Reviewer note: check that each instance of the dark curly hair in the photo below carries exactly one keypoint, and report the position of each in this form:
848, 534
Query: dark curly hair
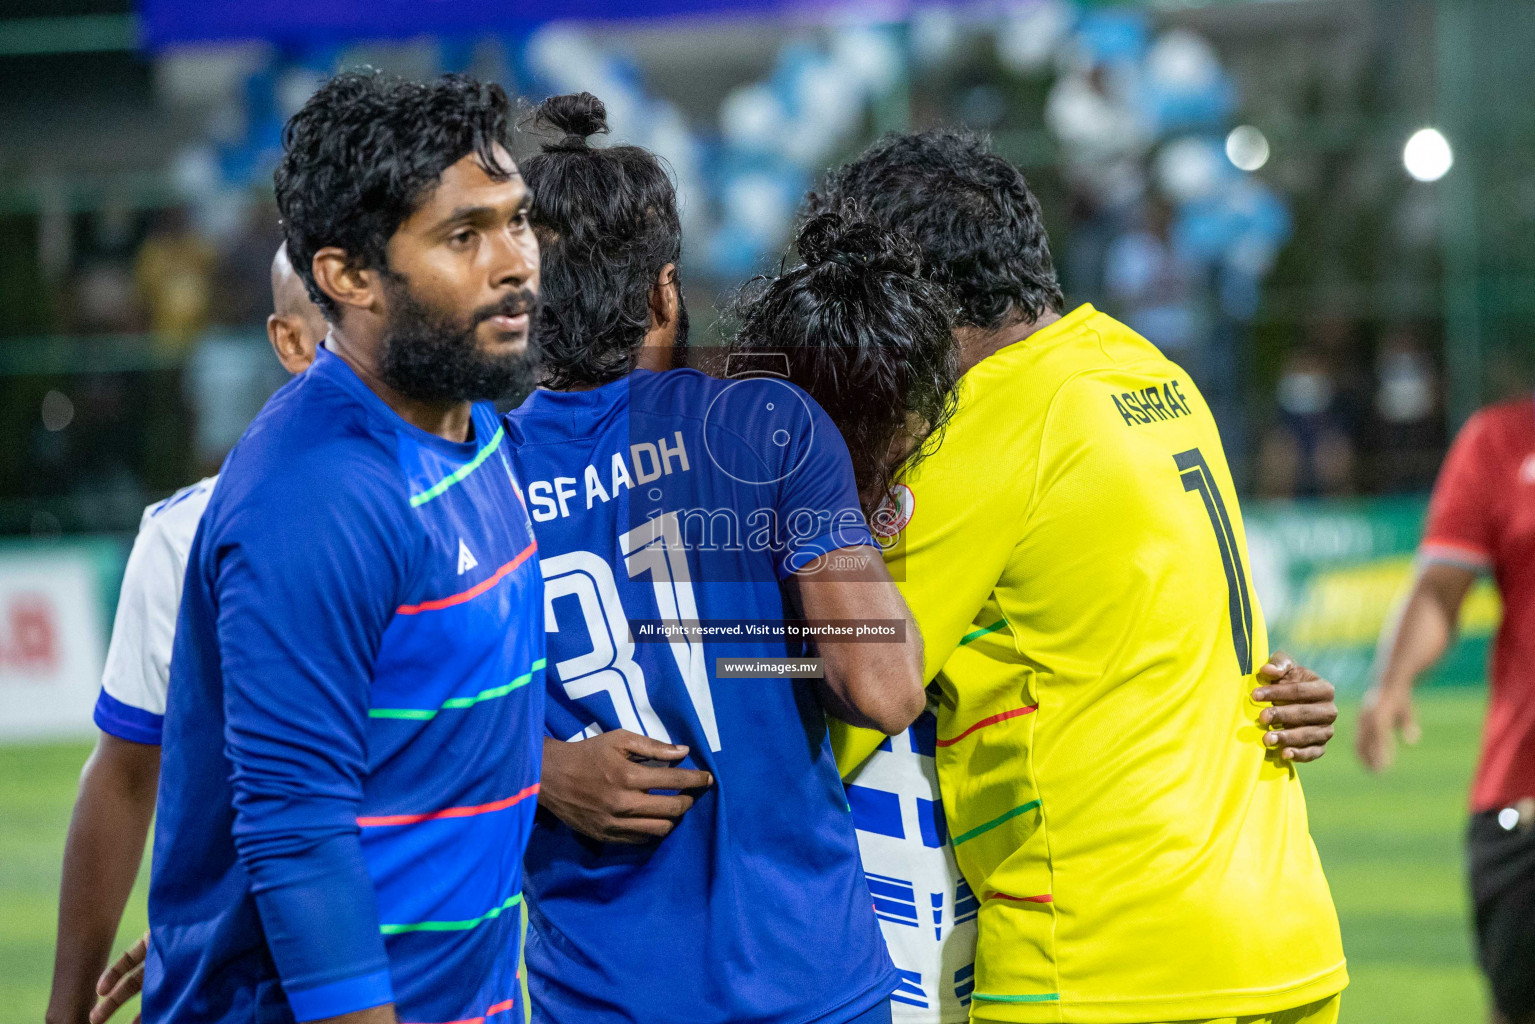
865, 335
607, 224
367, 149
970, 211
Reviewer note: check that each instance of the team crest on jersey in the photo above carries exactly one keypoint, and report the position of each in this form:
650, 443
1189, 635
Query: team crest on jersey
466, 559
894, 513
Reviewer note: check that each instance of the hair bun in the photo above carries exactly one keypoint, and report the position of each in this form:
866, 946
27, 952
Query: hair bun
843, 235
578, 115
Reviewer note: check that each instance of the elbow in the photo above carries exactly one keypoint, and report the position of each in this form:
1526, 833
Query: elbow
896, 705
900, 696
876, 690
127, 771
908, 708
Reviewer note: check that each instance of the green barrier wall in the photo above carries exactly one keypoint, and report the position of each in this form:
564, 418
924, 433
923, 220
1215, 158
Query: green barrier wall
1329, 575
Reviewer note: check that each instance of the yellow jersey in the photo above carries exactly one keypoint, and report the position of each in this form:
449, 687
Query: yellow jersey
1074, 556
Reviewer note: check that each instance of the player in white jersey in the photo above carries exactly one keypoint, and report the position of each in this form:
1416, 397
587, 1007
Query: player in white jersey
925, 909
117, 788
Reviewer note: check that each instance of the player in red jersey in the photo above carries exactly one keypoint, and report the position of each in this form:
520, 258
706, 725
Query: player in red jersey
1481, 519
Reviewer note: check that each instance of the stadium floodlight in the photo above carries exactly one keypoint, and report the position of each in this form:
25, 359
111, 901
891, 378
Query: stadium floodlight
1247, 148
1427, 155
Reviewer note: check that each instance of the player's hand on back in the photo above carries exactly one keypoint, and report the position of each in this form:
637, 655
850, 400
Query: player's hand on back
1300, 722
121, 982
601, 786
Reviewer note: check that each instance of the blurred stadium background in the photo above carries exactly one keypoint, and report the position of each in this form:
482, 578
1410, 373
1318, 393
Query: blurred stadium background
1325, 209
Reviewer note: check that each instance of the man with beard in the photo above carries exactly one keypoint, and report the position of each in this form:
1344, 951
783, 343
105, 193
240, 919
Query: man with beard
675, 499
353, 735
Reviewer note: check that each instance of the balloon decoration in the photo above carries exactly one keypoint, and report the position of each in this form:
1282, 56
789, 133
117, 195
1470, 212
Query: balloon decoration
1134, 110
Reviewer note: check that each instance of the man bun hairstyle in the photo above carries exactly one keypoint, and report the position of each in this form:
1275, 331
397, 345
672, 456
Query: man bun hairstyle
842, 237
607, 222
865, 335
367, 149
971, 213
579, 115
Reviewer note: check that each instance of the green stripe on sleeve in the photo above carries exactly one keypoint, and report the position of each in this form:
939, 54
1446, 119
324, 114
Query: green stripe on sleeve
437, 489
1034, 997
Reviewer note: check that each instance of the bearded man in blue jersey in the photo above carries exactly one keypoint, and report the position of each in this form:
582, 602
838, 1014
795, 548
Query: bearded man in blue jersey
354, 726
662, 496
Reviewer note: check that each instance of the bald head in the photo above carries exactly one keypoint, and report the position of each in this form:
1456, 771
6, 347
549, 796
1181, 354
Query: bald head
297, 327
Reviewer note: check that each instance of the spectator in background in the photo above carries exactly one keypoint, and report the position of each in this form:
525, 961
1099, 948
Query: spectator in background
174, 277
1481, 519
1308, 451
241, 297
102, 300
1407, 426
1104, 138
173, 274
98, 250
229, 375
1156, 290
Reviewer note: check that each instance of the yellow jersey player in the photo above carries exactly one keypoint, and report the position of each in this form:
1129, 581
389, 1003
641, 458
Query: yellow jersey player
1074, 555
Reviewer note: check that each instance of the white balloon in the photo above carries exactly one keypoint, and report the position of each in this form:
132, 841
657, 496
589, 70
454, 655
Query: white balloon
934, 34
628, 111
561, 54
1090, 122
752, 117
871, 55
829, 96
1182, 62
670, 138
1030, 38
195, 171
1188, 169
759, 204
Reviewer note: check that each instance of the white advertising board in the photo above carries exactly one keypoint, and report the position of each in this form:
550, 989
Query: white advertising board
52, 642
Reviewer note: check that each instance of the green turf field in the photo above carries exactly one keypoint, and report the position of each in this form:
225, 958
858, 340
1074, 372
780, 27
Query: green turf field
1391, 847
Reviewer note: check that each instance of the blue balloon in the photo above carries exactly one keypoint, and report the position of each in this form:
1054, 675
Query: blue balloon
1115, 35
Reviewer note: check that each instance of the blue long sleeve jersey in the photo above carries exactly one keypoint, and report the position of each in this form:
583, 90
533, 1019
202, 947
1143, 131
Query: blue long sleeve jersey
353, 737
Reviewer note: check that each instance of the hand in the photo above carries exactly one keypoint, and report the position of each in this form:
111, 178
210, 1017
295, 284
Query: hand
121, 982
600, 788
1301, 719
1384, 714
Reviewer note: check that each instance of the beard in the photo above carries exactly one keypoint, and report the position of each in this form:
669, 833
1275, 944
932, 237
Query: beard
429, 355
680, 347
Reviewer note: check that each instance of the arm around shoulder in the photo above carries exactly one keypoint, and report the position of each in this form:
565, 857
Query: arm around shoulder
871, 683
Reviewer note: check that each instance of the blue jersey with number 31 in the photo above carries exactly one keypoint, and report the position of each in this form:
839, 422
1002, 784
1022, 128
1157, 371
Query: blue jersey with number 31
677, 496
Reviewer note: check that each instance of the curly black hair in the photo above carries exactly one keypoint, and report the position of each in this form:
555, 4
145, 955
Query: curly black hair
970, 211
865, 335
367, 149
607, 224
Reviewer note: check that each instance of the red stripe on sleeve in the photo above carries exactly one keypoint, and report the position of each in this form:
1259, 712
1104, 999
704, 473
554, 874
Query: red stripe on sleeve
473, 592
